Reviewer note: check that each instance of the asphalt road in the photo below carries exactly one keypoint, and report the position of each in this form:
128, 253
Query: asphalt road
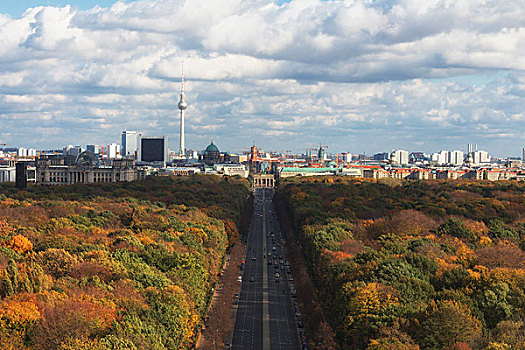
265, 315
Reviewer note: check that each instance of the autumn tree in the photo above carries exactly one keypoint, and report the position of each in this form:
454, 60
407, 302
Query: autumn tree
446, 322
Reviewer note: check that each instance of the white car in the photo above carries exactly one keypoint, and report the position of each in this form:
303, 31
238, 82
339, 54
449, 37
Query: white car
239, 279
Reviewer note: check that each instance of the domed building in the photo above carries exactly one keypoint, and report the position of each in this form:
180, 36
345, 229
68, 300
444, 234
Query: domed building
212, 154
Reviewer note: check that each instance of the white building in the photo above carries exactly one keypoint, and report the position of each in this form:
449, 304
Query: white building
480, 157
456, 157
347, 157
129, 143
441, 157
31, 152
231, 169
113, 151
400, 157
22, 152
7, 174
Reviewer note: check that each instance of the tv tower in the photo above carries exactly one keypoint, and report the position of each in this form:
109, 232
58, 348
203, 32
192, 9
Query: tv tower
182, 106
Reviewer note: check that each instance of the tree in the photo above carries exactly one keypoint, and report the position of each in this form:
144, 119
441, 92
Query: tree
447, 322
19, 244
454, 227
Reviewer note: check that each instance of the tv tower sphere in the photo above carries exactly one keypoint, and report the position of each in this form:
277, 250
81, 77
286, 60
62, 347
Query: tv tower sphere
182, 104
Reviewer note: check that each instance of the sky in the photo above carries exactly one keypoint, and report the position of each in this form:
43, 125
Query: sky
355, 75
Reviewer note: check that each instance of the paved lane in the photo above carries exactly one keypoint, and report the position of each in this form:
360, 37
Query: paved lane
265, 316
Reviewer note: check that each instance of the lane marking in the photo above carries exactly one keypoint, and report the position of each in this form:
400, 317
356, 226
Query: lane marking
266, 313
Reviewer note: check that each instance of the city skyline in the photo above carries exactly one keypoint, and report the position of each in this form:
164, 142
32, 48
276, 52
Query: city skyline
357, 76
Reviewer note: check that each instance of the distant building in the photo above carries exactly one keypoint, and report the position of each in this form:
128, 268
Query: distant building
399, 157
95, 149
7, 173
130, 141
381, 156
480, 157
292, 171
456, 157
211, 155
113, 151
73, 151
179, 171
86, 169
153, 149
347, 157
441, 157
231, 170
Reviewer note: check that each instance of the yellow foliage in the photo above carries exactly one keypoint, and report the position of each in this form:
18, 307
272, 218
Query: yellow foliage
485, 241
464, 254
371, 298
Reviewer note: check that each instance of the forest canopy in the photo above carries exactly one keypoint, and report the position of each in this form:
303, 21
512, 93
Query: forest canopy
113, 266
415, 265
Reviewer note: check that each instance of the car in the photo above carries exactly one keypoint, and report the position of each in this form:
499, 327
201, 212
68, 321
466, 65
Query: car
277, 280
269, 261
252, 279
253, 258
239, 279
277, 275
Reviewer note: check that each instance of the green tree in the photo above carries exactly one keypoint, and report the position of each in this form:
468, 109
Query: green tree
446, 322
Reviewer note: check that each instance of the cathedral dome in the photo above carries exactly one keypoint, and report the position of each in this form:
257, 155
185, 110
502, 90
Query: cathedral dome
212, 155
211, 148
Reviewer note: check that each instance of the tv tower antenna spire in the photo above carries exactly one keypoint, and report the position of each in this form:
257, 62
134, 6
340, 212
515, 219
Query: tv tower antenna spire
182, 106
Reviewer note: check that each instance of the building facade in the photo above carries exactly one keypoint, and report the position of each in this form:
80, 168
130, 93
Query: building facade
86, 169
129, 143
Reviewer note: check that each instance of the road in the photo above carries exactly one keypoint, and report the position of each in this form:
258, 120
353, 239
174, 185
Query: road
266, 318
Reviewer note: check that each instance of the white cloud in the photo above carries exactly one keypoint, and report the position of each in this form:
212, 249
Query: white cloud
301, 72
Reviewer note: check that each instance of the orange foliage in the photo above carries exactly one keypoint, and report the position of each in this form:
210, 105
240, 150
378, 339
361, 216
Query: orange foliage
18, 312
19, 244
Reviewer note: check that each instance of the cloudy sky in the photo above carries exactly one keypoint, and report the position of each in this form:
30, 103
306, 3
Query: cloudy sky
356, 75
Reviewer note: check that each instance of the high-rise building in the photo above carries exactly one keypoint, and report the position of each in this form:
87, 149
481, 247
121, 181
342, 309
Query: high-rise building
153, 149
182, 107
129, 143
480, 156
456, 157
400, 157
523, 154
113, 151
441, 157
